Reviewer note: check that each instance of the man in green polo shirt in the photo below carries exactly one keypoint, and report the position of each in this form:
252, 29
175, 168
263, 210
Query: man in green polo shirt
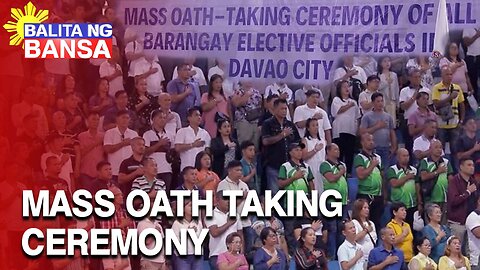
402, 180
333, 173
294, 175
435, 173
368, 167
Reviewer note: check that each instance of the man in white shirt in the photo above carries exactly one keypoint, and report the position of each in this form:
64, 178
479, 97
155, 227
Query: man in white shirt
191, 140
116, 142
472, 42
421, 145
350, 254
112, 71
365, 97
473, 234
301, 96
220, 225
233, 181
55, 145
151, 69
311, 110
174, 123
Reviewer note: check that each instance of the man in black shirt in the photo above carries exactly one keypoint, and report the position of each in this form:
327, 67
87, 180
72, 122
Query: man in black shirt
131, 168
104, 178
468, 144
277, 134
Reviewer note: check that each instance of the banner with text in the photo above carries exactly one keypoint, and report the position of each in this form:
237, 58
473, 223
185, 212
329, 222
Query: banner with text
290, 40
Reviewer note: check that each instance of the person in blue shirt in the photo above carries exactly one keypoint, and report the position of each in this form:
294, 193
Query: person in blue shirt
386, 257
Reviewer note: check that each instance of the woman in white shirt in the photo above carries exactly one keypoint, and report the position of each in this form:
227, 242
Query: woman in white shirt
346, 113
388, 86
314, 151
190, 261
366, 233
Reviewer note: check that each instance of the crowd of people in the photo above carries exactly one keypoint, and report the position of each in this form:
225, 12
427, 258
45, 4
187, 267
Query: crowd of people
398, 139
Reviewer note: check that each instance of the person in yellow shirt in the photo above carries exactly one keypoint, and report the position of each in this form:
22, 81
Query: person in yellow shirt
454, 259
422, 261
403, 233
449, 105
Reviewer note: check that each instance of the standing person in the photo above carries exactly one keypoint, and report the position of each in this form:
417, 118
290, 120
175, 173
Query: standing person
233, 258
449, 100
116, 141
142, 103
454, 258
435, 174
408, 101
314, 151
224, 148
229, 84
195, 73
352, 73
311, 110
402, 180
366, 234
121, 104
29, 106
301, 96
350, 254
277, 134
365, 98
435, 232
388, 85
248, 111
111, 71
157, 262
333, 172
55, 146
461, 198
174, 123
191, 140
220, 225
422, 261
425, 65
459, 68
185, 94
214, 105
91, 149
386, 256
269, 256
159, 142
249, 166
472, 44
101, 101
207, 179
380, 124
368, 166
421, 145
344, 109
132, 168
149, 182
306, 256
190, 261
74, 115
473, 234
468, 144
419, 117
402, 231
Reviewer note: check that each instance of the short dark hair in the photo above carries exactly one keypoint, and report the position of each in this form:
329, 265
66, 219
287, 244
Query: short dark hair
328, 147
265, 232
121, 92
344, 223
421, 94
146, 160
92, 113
376, 95
102, 164
397, 205
122, 112
418, 241
279, 101
234, 164
462, 160
246, 144
181, 65
192, 110
372, 77
272, 96
186, 170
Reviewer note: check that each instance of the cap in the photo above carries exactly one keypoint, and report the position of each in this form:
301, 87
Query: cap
295, 145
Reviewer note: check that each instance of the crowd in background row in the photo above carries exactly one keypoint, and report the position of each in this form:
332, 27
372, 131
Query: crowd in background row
401, 147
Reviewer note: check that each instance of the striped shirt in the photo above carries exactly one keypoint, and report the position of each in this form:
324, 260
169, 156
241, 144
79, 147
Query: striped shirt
143, 184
